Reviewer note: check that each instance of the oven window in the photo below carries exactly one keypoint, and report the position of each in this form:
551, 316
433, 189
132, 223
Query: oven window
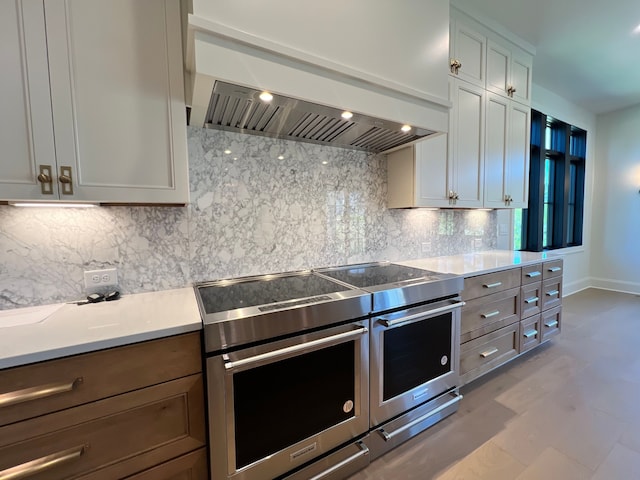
415, 354
282, 403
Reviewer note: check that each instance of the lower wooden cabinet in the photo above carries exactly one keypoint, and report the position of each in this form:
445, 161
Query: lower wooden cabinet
483, 354
153, 431
507, 313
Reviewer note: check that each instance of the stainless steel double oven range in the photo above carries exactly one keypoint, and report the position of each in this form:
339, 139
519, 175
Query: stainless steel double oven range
313, 374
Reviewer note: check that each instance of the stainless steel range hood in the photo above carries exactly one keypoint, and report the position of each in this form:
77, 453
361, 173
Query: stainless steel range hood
237, 108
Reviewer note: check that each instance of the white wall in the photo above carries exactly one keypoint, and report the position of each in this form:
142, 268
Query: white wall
577, 260
616, 219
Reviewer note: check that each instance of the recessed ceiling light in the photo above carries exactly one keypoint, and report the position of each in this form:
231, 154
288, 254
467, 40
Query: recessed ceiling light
266, 97
281, 157
227, 151
347, 115
324, 162
406, 128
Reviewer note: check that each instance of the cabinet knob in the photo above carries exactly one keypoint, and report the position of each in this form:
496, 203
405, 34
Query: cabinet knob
44, 178
46, 182
66, 179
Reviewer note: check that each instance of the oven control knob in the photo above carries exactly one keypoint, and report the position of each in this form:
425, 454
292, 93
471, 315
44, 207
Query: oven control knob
444, 360
348, 406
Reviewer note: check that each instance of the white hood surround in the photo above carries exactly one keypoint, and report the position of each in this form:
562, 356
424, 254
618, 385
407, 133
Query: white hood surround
393, 69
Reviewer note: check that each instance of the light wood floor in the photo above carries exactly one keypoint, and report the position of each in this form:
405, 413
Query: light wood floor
567, 410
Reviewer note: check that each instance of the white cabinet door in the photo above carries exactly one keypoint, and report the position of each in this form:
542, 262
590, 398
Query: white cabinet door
433, 172
466, 143
509, 72
518, 150
468, 47
496, 151
26, 131
507, 153
117, 96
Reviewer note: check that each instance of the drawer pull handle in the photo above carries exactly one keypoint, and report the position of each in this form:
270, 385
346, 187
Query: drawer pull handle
42, 464
552, 293
488, 353
530, 333
363, 451
551, 324
492, 285
555, 269
533, 274
531, 300
489, 315
35, 393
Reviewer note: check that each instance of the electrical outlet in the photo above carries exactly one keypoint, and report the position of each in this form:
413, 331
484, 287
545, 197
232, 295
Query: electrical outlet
426, 247
477, 243
97, 279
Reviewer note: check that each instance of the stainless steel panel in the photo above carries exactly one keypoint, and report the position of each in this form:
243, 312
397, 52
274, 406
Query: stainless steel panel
339, 465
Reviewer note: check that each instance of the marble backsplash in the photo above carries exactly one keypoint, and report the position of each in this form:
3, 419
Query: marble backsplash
258, 205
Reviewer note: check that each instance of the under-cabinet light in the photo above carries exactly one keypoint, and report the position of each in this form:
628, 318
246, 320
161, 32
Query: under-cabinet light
266, 97
53, 205
347, 115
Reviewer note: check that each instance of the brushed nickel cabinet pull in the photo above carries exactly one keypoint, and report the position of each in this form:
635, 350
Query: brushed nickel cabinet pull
530, 333
489, 315
551, 324
492, 285
533, 274
42, 464
489, 352
35, 393
552, 293
555, 269
531, 300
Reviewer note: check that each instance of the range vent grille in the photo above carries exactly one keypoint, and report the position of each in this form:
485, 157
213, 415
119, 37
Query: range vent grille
237, 108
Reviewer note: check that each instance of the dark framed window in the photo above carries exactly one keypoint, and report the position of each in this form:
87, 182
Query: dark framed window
554, 218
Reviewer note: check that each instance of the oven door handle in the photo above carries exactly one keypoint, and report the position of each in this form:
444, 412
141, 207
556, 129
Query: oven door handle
389, 435
364, 450
409, 318
293, 349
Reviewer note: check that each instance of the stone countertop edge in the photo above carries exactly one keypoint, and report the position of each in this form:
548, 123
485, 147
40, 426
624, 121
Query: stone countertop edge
478, 263
74, 329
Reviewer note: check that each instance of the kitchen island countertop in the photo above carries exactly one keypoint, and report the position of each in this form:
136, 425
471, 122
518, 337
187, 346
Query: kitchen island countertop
54, 331
477, 263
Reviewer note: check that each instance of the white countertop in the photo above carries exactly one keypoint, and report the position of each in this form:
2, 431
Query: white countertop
69, 329
469, 264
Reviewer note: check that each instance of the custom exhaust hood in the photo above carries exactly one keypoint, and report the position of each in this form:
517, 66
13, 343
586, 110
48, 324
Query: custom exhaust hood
227, 69
236, 108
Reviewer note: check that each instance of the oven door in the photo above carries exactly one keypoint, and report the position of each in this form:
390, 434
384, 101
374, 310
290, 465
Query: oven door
414, 357
277, 406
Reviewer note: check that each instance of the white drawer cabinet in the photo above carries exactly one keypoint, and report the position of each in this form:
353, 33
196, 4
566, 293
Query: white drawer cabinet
113, 128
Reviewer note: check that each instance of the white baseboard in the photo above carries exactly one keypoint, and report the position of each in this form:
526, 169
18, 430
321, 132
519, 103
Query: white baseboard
576, 286
615, 285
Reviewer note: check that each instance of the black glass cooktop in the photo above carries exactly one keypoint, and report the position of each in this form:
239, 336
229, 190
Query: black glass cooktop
372, 275
224, 296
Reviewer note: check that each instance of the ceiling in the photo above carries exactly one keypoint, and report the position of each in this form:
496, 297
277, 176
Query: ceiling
587, 51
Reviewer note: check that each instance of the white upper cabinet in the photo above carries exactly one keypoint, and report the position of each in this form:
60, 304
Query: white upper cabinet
467, 53
445, 171
509, 72
117, 103
26, 128
507, 153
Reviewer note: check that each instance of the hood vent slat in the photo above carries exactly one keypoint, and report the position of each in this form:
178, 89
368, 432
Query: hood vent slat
237, 108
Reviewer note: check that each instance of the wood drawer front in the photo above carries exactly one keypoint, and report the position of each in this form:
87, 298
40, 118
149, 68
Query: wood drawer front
487, 314
103, 374
530, 333
552, 269
551, 293
483, 354
125, 434
192, 466
531, 299
482, 285
551, 323
531, 273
